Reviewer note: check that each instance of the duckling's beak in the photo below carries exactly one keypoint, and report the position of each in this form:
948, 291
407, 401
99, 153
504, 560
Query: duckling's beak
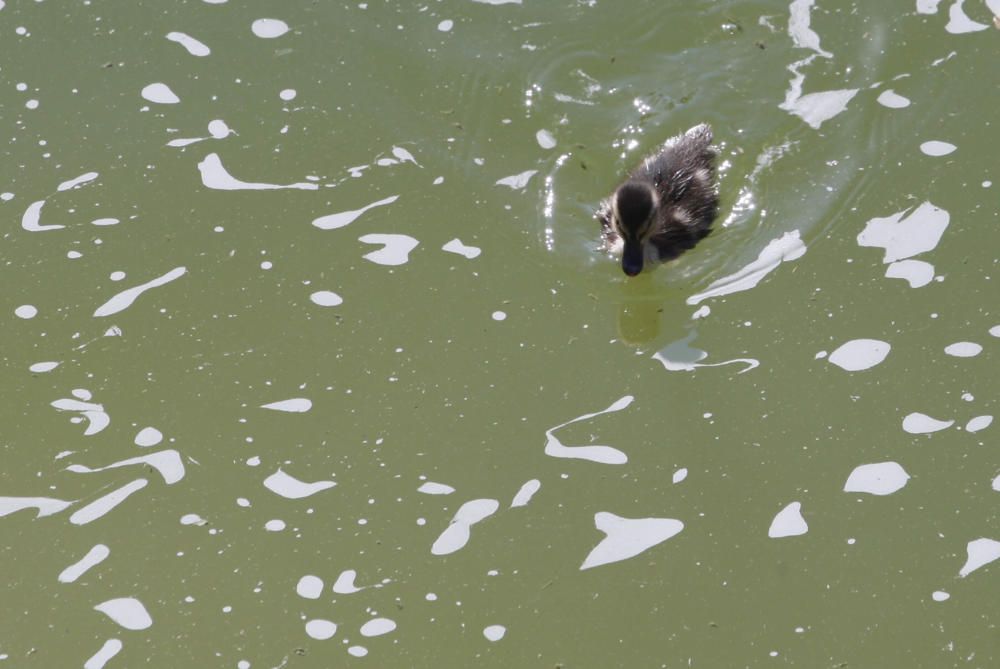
632, 258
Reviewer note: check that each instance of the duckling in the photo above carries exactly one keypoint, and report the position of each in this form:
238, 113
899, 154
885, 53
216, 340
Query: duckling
666, 205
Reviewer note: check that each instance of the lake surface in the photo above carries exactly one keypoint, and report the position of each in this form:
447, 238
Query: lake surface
310, 359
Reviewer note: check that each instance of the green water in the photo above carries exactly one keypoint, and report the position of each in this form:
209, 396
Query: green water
450, 370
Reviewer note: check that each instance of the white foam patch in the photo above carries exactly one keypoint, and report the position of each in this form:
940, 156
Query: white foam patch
357, 651
906, 233
218, 129
680, 475
148, 436
627, 537
786, 248
940, 596
104, 504
107, 652
432, 488
494, 632
404, 156
168, 463
919, 423
978, 423
446, 25
817, 108
788, 522
326, 298
879, 478
526, 492
545, 139
128, 612
215, 176
916, 272
293, 405
321, 629
31, 218
893, 100
378, 627
42, 367
456, 246
309, 587
269, 28
498, 2
345, 583
395, 250
94, 557
290, 487
963, 349
605, 455
124, 299
160, 93
193, 46
927, 6
45, 506
97, 419
959, 22
980, 553
26, 311
517, 181
860, 354
456, 536
340, 219
102, 222
936, 148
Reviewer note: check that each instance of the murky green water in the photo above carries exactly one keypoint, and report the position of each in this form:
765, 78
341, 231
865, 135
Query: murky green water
441, 431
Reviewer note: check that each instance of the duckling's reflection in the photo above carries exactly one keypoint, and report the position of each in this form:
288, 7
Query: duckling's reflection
644, 301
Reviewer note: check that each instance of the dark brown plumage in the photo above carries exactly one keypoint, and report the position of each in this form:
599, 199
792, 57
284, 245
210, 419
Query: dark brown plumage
666, 205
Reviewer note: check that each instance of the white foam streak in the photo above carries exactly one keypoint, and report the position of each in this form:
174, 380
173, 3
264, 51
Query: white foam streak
193, 46
340, 219
103, 505
46, 506
606, 455
785, 248
107, 652
124, 299
168, 463
215, 176
94, 556
526, 492
293, 405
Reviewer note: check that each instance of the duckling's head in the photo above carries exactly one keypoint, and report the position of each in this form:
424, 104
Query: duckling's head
632, 208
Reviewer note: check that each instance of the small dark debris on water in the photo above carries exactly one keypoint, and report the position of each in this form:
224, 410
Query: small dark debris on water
760, 45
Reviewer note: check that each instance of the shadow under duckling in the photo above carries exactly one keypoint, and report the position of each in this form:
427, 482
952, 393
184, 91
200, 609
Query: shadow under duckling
666, 205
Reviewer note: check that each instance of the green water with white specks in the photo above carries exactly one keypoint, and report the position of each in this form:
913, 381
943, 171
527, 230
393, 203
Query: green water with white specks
728, 405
